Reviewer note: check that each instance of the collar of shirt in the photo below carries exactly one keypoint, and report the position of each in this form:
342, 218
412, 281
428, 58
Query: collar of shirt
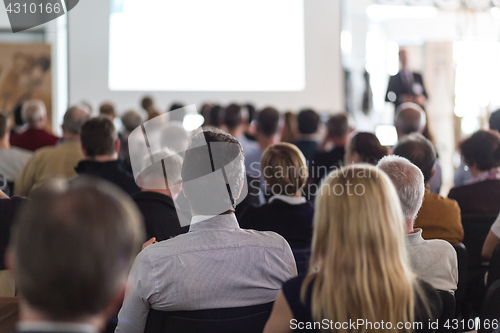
217, 222
288, 200
50, 326
414, 238
486, 175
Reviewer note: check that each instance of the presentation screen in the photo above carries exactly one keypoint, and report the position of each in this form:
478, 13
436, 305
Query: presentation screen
200, 45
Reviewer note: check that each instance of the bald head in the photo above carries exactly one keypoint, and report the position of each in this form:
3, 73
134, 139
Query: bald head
410, 118
74, 119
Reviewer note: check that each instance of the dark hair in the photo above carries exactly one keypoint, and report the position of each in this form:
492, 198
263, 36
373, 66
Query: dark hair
220, 155
233, 116
146, 102
495, 121
4, 125
308, 121
99, 137
179, 115
338, 125
72, 248
107, 109
251, 112
268, 122
214, 115
419, 151
368, 147
481, 149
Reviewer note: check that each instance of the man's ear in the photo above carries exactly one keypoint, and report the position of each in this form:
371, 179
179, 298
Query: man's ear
85, 153
117, 146
433, 172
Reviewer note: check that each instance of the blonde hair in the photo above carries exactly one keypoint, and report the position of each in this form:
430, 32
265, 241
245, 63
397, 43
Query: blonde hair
284, 168
359, 267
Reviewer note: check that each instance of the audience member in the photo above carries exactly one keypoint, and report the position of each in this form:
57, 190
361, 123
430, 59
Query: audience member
130, 120
179, 115
290, 129
236, 122
308, 121
157, 195
439, 217
411, 118
252, 113
107, 110
148, 105
359, 268
12, 159
364, 147
434, 261
268, 133
70, 253
331, 152
34, 114
216, 264
100, 145
287, 212
60, 160
481, 153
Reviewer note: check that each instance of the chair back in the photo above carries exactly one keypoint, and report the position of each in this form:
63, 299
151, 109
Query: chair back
476, 228
302, 257
247, 319
9, 314
448, 314
494, 267
462, 273
491, 307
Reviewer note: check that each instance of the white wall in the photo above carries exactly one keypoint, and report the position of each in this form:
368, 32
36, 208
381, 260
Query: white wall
88, 29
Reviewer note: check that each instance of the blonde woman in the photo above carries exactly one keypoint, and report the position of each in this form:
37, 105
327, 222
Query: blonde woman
359, 270
287, 212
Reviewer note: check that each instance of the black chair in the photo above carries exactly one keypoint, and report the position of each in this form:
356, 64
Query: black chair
491, 308
476, 228
302, 257
462, 275
448, 310
494, 267
249, 319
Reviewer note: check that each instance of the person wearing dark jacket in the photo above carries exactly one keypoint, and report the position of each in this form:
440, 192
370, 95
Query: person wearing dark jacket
100, 146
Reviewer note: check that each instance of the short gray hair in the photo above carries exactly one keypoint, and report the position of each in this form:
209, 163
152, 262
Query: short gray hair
409, 183
74, 119
33, 111
152, 174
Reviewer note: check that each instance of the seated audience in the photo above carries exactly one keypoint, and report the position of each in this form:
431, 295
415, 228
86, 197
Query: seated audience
479, 195
216, 264
148, 105
12, 159
492, 239
58, 161
236, 122
34, 114
107, 110
364, 147
70, 252
130, 120
290, 128
268, 133
331, 152
308, 121
179, 115
434, 261
157, 195
411, 118
359, 268
100, 145
439, 217
9, 208
287, 212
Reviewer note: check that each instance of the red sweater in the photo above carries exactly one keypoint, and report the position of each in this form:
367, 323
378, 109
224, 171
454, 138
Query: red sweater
33, 139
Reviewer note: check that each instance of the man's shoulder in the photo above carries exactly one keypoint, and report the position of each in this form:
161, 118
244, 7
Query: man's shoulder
439, 246
442, 202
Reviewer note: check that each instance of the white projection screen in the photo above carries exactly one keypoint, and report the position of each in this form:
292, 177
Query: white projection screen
207, 45
284, 53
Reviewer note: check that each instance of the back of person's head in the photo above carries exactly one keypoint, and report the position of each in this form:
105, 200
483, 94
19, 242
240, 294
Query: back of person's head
166, 171
174, 137
74, 119
409, 183
213, 172
410, 118
99, 137
34, 112
368, 147
71, 249
214, 116
268, 122
494, 121
108, 110
482, 150
4, 125
251, 111
179, 115
290, 128
308, 121
131, 120
233, 116
338, 125
284, 169
419, 151
147, 102
359, 266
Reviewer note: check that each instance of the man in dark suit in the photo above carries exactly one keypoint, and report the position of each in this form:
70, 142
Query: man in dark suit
70, 252
406, 86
